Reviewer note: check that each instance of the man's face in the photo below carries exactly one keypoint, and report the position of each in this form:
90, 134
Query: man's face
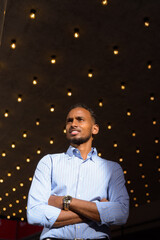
79, 126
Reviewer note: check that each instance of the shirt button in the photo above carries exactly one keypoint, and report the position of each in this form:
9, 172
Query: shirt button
78, 227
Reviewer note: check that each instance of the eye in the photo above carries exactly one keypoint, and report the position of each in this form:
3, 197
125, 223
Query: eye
69, 120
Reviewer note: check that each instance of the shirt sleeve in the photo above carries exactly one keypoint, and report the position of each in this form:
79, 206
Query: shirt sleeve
38, 210
116, 211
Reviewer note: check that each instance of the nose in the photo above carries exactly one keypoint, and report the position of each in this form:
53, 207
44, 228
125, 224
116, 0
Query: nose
74, 123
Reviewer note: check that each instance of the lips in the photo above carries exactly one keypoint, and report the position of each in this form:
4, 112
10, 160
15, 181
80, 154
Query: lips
74, 131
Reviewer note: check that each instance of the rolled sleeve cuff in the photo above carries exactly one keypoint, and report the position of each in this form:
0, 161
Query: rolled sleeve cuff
104, 212
50, 216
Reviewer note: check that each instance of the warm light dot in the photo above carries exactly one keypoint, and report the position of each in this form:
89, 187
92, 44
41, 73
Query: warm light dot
1, 180
6, 113
14, 214
6, 194
53, 59
13, 44
146, 22
3, 154
123, 86
19, 99
125, 172
38, 151
18, 167
133, 133
21, 184
20, 211
115, 144
135, 199
157, 156
143, 176
76, 33
51, 141
128, 182
8, 217
13, 189
26, 207
148, 201
32, 14
37, 122
115, 50
69, 93
0, 198
152, 97
22, 219
17, 201
158, 169
52, 108
156, 140
24, 134
128, 112
154, 121
4, 209
64, 130
109, 126
9, 174
136, 205
100, 103
30, 179
137, 150
140, 164
90, 73
104, 2
99, 154
24, 197
35, 81
149, 66
121, 159
147, 194
10, 205
28, 159
146, 185
13, 145
131, 191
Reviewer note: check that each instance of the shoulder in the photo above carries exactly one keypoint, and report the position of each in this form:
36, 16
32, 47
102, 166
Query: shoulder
112, 165
48, 159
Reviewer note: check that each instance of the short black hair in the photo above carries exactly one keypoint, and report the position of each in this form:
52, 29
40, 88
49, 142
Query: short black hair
82, 105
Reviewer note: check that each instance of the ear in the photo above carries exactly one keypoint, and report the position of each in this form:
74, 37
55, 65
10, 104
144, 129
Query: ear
95, 129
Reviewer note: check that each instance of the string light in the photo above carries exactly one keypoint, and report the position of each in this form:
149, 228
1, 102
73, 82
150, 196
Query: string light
115, 50
53, 59
24, 197
13, 145
121, 159
69, 93
52, 108
64, 130
22, 219
149, 66
135, 199
154, 121
13, 44
21, 184
28, 159
128, 112
131, 191
148, 201
90, 73
17, 201
30, 179
157, 156
4, 209
3, 154
104, 2
1, 180
115, 144
8, 217
99, 154
76, 33
35, 81
6, 113
109, 126
9, 174
123, 86
38, 151
156, 140
136, 205
0, 198
147, 194
32, 14
146, 22
51, 141
37, 122
137, 150
10, 205
20, 211
24, 134
152, 97
18, 167
140, 164
146, 185
19, 99
125, 172
128, 182
14, 214
13, 189
133, 134
100, 102
6, 194
143, 176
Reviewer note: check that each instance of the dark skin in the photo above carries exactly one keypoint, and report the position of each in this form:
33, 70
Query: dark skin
79, 125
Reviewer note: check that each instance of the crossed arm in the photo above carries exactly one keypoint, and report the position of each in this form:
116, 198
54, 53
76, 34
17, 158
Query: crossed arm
80, 211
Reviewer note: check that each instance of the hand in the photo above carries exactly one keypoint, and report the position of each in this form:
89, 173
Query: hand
56, 201
104, 200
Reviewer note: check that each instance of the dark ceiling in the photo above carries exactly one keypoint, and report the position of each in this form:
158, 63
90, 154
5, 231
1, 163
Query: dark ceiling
102, 28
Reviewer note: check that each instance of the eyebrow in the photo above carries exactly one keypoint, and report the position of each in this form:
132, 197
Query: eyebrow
78, 118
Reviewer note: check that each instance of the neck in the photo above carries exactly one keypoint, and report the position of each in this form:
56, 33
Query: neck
84, 148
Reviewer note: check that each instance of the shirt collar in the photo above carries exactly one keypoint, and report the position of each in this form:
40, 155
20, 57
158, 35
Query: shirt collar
72, 151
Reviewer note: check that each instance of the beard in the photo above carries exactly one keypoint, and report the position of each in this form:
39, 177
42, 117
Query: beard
79, 141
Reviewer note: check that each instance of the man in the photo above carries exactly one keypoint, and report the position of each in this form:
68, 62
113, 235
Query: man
77, 194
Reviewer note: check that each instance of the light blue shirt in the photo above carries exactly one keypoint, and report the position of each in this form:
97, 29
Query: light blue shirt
91, 180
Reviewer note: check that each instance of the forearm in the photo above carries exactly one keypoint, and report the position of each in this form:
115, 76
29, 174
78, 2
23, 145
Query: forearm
85, 208
68, 218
